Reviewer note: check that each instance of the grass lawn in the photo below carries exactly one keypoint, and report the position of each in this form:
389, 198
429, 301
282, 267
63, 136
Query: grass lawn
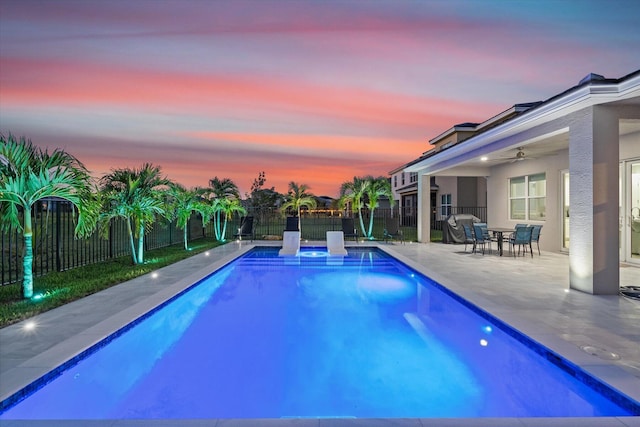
60, 288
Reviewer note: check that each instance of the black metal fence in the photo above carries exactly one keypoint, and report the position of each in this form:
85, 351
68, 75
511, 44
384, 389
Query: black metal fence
270, 223
56, 249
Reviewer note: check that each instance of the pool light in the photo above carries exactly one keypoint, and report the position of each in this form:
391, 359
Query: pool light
487, 329
484, 342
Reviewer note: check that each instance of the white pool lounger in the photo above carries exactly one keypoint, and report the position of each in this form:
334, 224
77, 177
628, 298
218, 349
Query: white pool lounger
335, 243
290, 243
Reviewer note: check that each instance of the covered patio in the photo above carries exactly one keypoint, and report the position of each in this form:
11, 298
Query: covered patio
568, 163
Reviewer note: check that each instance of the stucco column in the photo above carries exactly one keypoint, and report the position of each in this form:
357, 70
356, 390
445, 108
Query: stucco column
594, 192
424, 208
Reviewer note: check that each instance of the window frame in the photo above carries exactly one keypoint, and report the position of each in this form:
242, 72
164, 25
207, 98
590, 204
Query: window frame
527, 181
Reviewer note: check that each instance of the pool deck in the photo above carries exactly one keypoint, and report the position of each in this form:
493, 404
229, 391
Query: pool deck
530, 294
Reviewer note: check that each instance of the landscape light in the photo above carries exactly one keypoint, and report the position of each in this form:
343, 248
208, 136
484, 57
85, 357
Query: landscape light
154, 275
206, 253
29, 326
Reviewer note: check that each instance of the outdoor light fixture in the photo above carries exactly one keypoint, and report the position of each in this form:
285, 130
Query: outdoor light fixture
29, 326
154, 275
484, 158
206, 253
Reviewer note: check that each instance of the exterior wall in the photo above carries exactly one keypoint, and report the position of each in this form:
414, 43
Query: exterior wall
447, 185
498, 196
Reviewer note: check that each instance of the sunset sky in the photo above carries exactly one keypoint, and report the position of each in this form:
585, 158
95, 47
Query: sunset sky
311, 91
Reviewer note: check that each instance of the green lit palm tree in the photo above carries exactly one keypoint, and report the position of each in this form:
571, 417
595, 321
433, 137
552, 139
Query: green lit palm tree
228, 207
354, 192
297, 198
183, 203
377, 188
221, 189
29, 174
135, 195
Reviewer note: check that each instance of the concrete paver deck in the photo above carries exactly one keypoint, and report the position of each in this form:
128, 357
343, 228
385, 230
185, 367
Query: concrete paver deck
530, 294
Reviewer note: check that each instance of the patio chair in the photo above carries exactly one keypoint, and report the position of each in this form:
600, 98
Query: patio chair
349, 229
392, 231
246, 228
335, 243
292, 223
290, 243
535, 236
480, 238
522, 238
468, 237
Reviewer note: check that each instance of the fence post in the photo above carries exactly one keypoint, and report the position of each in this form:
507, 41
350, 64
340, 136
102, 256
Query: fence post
58, 219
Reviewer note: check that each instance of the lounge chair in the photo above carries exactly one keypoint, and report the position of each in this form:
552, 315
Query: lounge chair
335, 243
349, 229
290, 243
292, 224
246, 228
392, 230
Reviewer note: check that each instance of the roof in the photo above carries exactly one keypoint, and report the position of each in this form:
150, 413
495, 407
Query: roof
521, 109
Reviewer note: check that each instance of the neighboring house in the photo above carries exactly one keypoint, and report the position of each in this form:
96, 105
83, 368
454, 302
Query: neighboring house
570, 163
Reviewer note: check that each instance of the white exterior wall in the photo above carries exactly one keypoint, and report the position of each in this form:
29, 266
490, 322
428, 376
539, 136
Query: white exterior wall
498, 196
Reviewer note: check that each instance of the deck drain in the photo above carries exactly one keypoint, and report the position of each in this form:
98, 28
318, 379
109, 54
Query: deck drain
600, 352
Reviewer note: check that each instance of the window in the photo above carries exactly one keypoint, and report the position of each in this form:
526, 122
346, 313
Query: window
413, 177
402, 178
528, 197
395, 181
445, 205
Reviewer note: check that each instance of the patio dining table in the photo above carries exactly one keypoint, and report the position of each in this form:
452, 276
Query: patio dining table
499, 233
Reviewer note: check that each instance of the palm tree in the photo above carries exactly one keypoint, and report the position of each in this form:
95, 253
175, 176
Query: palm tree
228, 207
221, 189
377, 188
354, 192
183, 203
297, 198
29, 174
135, 195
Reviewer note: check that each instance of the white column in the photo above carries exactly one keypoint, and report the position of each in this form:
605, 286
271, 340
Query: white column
424, 208
594, 193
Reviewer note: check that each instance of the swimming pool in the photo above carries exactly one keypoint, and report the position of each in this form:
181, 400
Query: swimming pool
316, 336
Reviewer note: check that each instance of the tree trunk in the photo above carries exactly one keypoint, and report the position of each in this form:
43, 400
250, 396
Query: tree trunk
224, 229
141, 244
133, 246
27, 262
370, 235
364, 231
186, 243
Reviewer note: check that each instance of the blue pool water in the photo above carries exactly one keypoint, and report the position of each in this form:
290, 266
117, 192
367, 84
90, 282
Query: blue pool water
318, 336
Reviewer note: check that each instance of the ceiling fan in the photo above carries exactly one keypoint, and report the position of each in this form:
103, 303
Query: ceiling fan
519, 156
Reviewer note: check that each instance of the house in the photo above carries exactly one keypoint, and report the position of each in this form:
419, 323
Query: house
570, 163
